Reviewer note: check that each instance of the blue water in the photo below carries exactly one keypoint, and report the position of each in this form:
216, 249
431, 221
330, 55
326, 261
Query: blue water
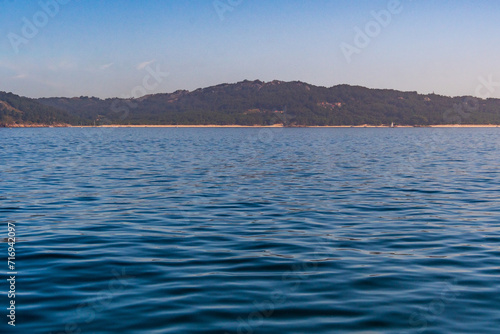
252, 230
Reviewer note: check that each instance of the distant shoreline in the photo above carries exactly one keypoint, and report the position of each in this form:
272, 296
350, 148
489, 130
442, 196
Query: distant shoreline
250, 126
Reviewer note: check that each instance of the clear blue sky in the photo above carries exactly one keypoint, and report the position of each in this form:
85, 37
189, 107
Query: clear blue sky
105, 48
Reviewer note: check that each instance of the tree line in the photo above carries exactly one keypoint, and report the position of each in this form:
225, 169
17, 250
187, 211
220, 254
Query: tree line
256, 103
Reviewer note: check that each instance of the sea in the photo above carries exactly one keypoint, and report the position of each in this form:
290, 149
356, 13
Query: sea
250, 230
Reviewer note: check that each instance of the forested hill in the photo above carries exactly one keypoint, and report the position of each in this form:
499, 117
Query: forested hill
17, 110
264, 103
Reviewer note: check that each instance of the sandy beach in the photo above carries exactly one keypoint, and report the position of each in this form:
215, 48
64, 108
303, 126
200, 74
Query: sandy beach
465, 126
248, 126
281, 126
179, 126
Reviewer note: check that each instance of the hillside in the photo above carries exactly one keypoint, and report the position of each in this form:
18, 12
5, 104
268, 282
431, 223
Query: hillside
21, 111
267, 103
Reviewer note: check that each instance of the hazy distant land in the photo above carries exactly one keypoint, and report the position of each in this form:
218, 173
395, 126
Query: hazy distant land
256, 103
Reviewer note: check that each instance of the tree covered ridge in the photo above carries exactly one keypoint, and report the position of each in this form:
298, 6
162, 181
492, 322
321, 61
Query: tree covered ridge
17, 110
260, 103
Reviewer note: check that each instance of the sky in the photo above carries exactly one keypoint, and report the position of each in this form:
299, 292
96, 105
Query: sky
127, 48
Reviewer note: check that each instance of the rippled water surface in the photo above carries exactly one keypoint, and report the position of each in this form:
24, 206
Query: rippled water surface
253, 230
